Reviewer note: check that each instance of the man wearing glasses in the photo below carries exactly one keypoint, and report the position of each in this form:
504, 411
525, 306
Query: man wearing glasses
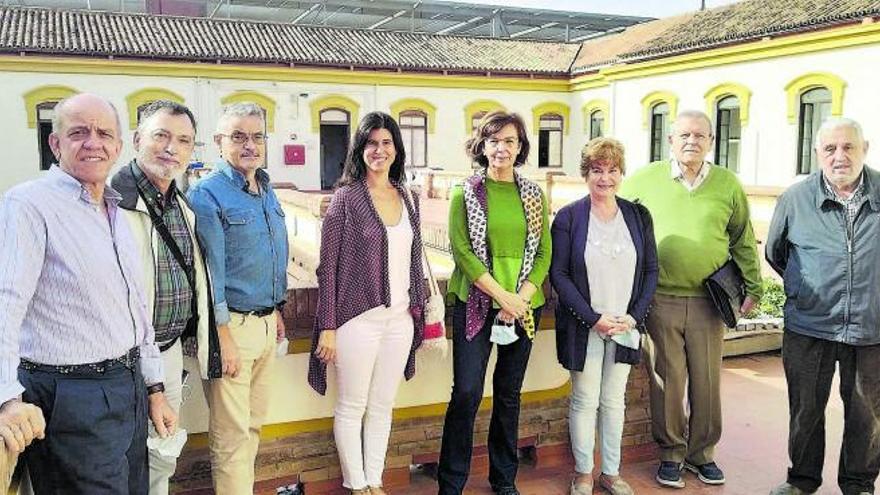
241, 226
702, 208
175, 274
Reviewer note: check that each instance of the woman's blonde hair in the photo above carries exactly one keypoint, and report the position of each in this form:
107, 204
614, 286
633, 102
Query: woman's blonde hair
602, 149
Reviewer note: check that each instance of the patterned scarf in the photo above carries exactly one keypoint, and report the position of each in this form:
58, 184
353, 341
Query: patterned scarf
475, 200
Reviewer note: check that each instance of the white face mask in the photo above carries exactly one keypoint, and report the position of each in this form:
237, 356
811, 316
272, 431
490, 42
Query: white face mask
503, 333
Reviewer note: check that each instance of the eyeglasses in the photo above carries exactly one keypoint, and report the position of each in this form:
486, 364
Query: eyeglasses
507, 143
239, 137
164, 138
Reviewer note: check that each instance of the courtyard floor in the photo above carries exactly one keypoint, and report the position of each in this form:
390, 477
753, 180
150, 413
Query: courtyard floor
752, 451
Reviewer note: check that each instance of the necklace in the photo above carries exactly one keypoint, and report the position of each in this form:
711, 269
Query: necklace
606, 237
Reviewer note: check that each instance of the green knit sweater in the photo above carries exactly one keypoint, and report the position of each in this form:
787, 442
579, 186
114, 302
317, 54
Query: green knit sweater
506, 237
696, 231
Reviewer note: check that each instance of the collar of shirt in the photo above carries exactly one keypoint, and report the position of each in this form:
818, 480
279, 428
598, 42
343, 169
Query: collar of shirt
832, 194
678, 174
156, 198
238, 179
69, 183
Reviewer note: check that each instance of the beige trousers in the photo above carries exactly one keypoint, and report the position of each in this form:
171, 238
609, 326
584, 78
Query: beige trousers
684, 348
238, 405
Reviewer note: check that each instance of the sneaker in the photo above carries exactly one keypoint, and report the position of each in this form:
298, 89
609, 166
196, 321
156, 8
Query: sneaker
788, 489
708, 473
615, 485
582, 488
506, 490
669, 474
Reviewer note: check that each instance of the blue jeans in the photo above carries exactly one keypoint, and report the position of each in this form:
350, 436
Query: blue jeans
470, 360
96, 432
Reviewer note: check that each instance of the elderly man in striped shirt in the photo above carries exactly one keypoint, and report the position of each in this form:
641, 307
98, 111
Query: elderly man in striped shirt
76, 340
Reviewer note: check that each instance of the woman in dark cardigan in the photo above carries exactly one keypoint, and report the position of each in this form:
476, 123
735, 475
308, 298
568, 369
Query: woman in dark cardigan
371, 297
604, 270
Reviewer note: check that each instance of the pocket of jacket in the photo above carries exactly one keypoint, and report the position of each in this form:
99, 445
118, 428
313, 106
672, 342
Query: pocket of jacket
239, 217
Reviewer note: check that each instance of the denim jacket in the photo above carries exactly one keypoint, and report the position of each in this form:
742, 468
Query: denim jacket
245, 240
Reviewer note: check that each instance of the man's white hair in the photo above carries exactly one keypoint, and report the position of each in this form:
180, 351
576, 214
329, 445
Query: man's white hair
242, 109
837, 123
692, 114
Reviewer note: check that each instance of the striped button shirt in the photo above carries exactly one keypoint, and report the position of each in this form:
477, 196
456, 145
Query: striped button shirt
69, 281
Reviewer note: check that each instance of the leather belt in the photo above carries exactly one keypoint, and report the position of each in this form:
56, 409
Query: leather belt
128, 360
261, 312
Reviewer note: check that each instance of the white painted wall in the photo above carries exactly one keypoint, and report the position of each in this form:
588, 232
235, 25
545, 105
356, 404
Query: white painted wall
769, 141
768, 150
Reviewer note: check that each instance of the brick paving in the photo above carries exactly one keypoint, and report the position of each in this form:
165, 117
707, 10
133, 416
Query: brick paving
752, 451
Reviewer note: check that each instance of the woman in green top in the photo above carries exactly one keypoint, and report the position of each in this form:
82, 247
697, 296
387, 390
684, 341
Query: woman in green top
500, 239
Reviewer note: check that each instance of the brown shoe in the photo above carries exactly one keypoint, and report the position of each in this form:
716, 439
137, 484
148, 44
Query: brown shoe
377, 490
615, 485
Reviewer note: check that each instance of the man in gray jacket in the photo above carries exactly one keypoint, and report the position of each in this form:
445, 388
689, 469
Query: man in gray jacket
825, 242
177, 282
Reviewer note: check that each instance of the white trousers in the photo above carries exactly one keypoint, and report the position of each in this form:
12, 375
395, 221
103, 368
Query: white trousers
598, 391
371, 354
162, 467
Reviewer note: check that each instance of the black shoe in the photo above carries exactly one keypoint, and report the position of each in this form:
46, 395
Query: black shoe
708, 473
669, 474
505, 490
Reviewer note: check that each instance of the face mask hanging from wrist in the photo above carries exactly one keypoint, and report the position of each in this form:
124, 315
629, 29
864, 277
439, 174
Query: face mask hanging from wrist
503, 333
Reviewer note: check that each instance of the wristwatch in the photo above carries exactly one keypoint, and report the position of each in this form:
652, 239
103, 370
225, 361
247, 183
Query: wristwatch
155, 388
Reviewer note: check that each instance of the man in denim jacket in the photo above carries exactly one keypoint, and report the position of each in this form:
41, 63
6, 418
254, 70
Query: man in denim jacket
241, 225
823, 240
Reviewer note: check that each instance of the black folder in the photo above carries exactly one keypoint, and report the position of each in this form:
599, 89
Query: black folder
726, 289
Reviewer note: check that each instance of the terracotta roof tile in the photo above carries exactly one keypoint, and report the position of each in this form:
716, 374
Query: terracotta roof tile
607, 49
137, 35
52, 31
739, 22
757, 18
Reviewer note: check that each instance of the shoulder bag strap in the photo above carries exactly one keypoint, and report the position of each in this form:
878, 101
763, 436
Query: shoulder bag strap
162, 229
433, 287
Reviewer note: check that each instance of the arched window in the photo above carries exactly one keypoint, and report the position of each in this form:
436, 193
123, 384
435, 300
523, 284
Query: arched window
136, 102
45, 112
727, 133
815, 107
476, 118
140, 111
334, 116
597, 124
476, 110
659, 132
414, 129
550, 140
334, 130
39, 103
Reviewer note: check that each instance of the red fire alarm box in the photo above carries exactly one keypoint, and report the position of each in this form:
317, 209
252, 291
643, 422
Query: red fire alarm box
294, 154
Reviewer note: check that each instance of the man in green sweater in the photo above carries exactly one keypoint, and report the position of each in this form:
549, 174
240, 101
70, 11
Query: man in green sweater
701, 219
